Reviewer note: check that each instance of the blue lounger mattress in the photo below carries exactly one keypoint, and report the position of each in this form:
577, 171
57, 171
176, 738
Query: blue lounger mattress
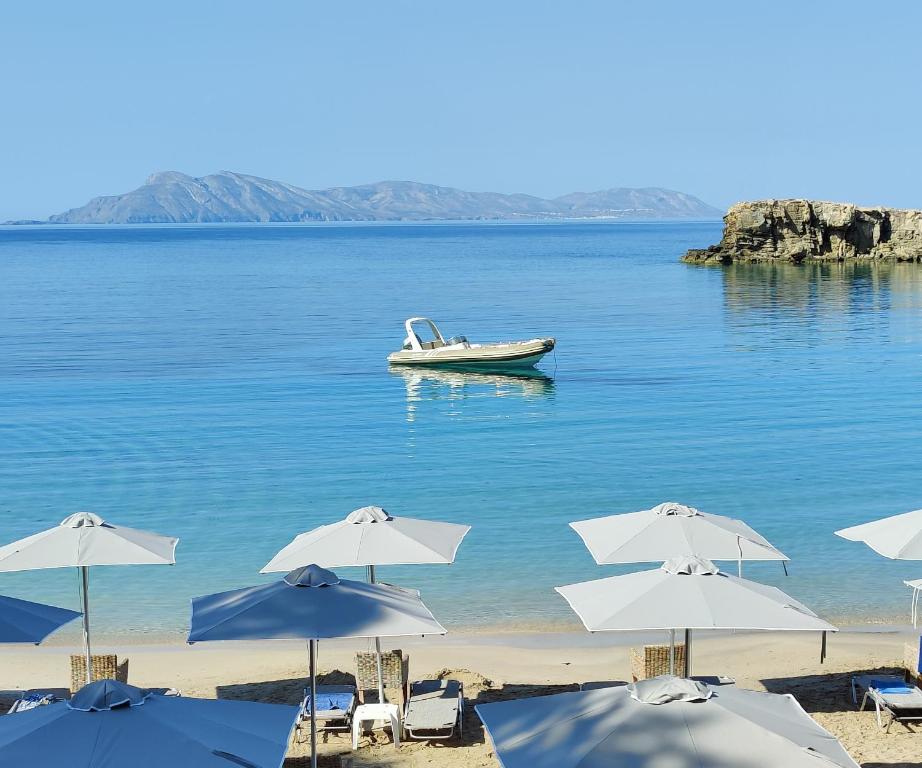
332, 700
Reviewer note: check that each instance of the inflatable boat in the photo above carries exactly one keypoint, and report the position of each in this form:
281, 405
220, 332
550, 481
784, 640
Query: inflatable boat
458, 352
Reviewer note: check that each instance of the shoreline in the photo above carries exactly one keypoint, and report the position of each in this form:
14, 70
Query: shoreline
538, 636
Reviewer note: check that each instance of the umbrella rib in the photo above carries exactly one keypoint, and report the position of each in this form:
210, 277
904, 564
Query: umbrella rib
912, 540
28, 541
691, 738
602, 706
331, 528
775, 735
627, 541
126, 539
421, 544
358, 546
685, 535
238, 612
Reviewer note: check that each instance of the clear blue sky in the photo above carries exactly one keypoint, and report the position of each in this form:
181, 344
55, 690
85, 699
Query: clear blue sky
725, 100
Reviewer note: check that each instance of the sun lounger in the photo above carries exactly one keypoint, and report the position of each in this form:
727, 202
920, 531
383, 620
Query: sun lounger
892, 696
13, 701
714, 680
335, 705
435, 709
33, 700
594, 685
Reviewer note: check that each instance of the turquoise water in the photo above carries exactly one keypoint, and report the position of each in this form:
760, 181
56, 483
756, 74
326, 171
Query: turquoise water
227, 385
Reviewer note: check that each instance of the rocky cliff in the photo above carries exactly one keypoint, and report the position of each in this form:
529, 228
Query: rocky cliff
172, 197
803, 230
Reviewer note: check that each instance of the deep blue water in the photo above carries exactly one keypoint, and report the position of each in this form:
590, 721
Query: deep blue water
228, 385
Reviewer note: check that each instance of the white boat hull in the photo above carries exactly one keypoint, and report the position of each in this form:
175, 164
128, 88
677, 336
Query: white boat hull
506, 355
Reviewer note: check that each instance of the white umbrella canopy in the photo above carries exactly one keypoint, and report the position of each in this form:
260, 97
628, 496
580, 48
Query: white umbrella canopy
108, 724
669, 530
687, 593
311, 603
660, 723
369, 537
83, 540
898, 537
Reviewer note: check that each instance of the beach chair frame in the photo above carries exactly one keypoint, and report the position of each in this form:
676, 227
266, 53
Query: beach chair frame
882, 707
435, 734
326, 720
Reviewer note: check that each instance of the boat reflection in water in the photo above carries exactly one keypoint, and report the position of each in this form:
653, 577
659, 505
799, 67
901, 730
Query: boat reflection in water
453, 385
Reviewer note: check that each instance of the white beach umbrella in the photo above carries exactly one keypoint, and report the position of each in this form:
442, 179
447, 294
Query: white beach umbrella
370, 537
311, 603
664, 722
83, 540
898, 537
686, 593
108, 724
670, 530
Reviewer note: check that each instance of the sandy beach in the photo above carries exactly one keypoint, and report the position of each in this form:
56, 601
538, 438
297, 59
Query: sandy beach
513, 665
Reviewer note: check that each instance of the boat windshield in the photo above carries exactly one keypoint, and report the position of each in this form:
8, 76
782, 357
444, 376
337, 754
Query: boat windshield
422, 333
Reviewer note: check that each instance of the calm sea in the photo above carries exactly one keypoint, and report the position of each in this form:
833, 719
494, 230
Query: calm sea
228, 385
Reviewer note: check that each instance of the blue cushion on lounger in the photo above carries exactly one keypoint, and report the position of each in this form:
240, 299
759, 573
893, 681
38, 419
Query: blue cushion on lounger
330, 702
889, 686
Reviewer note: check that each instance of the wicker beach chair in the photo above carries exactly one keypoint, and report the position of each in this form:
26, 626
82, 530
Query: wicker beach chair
395, 668
105, 667
653, 660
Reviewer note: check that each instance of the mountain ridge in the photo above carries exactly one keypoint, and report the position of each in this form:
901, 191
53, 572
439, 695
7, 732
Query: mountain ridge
173, 197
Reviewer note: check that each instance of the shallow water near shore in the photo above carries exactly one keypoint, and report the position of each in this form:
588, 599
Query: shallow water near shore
228, 385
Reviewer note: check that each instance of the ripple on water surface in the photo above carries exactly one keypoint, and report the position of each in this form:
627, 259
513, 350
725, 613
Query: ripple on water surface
228, 385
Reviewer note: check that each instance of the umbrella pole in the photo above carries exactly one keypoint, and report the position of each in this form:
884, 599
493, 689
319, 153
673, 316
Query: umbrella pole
671, 651
371, 579
312, 653
85, 591
688, 645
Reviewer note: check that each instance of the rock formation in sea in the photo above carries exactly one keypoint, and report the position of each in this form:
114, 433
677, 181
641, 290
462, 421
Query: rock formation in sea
175, 198
804, 230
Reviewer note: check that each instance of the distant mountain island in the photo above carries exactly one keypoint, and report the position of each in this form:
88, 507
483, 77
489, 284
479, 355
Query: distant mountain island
171, 197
